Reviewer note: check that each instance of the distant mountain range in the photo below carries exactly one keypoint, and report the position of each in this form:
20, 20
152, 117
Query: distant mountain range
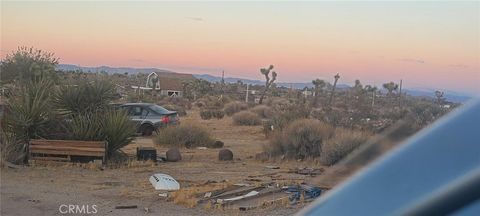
110, 70
422, 92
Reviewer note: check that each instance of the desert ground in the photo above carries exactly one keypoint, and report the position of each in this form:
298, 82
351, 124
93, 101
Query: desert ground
42, 189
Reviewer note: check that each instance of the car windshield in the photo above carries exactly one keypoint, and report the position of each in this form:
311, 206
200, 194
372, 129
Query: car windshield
158, 109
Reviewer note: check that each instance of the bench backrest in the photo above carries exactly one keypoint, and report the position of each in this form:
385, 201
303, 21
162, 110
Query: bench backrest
68, 147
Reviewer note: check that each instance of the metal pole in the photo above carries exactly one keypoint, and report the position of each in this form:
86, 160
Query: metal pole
246, 97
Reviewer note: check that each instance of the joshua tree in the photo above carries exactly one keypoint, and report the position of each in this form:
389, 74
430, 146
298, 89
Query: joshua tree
268, 81
319, 85
371, 90
391, 86
337, 76
440, 98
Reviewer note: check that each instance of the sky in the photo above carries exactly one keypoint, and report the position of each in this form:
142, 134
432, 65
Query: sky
426, 44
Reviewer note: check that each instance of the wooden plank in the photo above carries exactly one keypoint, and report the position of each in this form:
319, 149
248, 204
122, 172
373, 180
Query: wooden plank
50, 158
67, 152
66, 148
73, 143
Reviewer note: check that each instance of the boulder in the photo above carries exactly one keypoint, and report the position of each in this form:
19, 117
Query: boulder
173, 155
225, 155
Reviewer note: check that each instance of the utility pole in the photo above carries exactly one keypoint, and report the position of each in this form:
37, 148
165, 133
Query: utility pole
246, 97
400, 96
223, 77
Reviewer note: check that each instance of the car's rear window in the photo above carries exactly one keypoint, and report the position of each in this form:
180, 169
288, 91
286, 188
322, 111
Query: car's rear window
158, 109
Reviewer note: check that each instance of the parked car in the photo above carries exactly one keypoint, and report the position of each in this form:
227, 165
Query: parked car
150, 117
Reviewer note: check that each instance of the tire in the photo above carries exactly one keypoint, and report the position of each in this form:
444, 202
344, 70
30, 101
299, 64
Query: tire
147, 130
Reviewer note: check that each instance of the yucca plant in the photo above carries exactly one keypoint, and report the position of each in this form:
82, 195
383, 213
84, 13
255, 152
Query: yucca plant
31, 113
84, 96
118, 129
109, 125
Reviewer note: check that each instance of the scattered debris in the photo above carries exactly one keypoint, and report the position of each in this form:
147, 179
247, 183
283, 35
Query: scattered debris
225, 155
309, 171
308, 192
126, 207
173, 155
242, 185
165, 195
272, 167
165, 182
146, 153
249, 194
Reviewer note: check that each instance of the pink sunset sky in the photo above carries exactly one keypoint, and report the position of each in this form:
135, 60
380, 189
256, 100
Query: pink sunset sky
426, 44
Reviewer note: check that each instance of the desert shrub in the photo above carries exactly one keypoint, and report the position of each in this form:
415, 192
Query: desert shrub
286, 113
180, 110
246, 118
263, 111
176, 101
12, 150
301, 139
341, 144
211, 102
184, 135
206, 114
113, 126
234, 107
28, 64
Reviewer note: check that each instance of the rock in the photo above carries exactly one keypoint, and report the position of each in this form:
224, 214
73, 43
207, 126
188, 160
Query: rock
173, 155
216, 144
225, 155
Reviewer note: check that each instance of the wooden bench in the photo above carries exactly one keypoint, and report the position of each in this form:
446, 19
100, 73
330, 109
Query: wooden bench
63, 150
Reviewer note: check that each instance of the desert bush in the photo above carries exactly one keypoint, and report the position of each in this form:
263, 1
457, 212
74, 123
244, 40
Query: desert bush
184, 135
180, 110
263, 111
12, 150
341, 144
113, 126
206, 114
176, 101
301, 139
246, 118
234, 107
284, 114
211, 102
27, 65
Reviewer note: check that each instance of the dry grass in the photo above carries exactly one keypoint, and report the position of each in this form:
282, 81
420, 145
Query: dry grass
184, 135
246, 118
301, 139
340, 145
189, 196
206, 114
234, 107
263, 111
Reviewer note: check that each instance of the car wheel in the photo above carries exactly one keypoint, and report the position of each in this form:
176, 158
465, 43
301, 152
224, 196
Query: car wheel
147, 130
